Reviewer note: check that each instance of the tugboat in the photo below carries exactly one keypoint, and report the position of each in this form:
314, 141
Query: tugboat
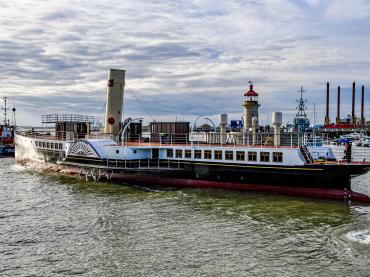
173, 154
7, 133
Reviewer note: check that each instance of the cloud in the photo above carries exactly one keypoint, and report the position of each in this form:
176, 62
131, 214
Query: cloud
314, 2
343, 11
182, 57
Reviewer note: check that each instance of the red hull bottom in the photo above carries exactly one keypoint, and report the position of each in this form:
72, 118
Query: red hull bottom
286, 190
335, 194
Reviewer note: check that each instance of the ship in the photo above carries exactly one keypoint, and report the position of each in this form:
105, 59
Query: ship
7, 130
175, 154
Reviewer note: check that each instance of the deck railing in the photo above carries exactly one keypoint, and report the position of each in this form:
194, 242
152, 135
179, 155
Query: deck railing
203, 139
55, 118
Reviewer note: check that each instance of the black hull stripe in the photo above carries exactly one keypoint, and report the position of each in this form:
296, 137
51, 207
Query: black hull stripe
205, 163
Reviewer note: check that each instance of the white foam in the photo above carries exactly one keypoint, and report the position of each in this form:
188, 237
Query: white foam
359, 236
18, 167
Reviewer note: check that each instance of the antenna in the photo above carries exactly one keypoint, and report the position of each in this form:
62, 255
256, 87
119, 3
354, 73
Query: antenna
13, 115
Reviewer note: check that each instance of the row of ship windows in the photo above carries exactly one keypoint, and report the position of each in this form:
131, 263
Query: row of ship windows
277, 157
49, 145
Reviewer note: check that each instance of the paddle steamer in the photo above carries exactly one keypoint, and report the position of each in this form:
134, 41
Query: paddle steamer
174, 155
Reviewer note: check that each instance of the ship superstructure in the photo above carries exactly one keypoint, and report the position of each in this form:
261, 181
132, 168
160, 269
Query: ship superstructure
175, 155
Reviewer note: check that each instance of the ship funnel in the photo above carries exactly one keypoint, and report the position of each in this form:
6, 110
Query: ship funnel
362, 105
338, 106
327, 119
113, 113
353, 103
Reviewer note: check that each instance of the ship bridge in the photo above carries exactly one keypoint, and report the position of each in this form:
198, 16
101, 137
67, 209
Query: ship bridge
68, 126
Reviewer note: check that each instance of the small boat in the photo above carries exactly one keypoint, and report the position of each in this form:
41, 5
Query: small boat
7, 130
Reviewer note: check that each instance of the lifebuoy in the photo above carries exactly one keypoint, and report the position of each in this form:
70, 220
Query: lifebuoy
111, 120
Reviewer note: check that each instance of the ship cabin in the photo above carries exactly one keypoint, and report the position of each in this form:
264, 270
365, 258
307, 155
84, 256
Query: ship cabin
141, 154
204, 154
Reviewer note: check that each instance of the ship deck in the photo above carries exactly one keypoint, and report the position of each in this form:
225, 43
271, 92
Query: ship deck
157, 144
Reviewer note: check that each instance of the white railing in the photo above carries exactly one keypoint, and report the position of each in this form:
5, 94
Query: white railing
196, 139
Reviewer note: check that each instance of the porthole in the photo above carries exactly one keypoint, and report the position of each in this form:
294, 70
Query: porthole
117, 151
135, 151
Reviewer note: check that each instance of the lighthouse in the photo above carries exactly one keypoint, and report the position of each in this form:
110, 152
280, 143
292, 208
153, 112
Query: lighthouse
250, 105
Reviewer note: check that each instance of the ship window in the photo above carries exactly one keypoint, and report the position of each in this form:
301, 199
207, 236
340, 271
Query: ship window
52, 145
197, 154
229, 155
218, 155
265, 156
277, 157
117, 151
252, 156
179, 153
47, 145
187, 154
169, 153
240, 155
207, 154
60, 146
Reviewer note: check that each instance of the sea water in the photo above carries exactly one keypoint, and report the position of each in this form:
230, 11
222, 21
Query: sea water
55, 226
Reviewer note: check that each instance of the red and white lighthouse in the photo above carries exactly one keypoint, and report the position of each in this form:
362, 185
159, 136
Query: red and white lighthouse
250, 105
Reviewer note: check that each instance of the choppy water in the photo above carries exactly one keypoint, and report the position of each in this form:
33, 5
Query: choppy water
52, 225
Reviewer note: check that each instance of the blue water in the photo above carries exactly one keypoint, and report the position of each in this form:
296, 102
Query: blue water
57, 226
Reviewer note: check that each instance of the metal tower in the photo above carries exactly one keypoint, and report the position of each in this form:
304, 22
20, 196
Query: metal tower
301, 122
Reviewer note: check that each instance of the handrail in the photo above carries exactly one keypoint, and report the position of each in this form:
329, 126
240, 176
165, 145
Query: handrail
55, 118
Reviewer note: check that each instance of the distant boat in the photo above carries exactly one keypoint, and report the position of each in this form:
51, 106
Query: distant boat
7, 130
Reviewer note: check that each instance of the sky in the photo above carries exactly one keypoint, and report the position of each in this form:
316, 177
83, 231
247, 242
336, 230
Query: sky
183, 58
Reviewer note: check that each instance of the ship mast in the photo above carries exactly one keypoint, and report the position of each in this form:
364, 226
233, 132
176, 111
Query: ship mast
5, 111
301, 122
301, 105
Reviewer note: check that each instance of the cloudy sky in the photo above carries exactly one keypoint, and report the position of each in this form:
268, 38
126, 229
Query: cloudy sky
183, 58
